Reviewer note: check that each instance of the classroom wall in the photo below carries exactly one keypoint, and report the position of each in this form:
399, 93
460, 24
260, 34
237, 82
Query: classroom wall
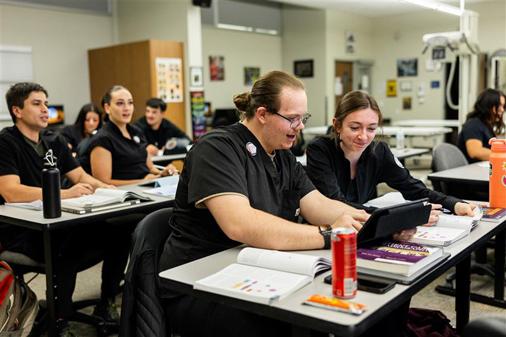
337, 24
400, 37
304, 38
59, 40
240, 49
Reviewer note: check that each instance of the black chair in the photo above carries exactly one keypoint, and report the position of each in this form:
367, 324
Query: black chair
142, 314
22, 265
490, 326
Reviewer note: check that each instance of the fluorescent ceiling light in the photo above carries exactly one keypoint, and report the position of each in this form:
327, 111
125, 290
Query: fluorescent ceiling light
438, 6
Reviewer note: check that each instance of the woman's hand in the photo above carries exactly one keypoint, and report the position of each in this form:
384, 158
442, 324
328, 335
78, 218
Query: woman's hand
169, 170
404, 235
434, 215
462, 208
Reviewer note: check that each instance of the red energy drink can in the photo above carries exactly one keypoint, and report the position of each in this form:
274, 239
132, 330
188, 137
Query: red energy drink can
344, 262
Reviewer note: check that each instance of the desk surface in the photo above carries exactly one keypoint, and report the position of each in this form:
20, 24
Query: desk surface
168, 157
291, 310
427, 122
408, 152
35, 220
389, 131
476, 172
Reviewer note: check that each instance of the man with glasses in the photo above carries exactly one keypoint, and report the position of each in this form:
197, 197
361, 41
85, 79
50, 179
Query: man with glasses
240, 184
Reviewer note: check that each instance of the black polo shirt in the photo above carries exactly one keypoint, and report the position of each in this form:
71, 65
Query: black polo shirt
17, 157
128, 155
474, 128
329, 170
72, 135
229, 160
159, 137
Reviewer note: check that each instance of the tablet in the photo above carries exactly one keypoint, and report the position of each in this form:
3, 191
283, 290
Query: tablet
389, 220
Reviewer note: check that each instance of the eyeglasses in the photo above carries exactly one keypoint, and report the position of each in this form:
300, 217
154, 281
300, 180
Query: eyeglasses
295, 122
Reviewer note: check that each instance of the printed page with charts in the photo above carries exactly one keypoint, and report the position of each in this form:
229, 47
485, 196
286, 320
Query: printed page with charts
264, 276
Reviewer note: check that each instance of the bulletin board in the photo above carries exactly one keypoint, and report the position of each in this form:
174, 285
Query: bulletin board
15, 66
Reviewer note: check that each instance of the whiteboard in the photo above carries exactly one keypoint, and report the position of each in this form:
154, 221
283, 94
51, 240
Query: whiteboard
15, 66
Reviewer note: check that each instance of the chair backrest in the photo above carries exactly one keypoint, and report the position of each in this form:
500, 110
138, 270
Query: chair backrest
446, 156
142, 314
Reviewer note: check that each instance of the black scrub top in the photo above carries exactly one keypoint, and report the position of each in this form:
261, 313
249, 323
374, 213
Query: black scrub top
229, 160
17, 157
159, 137
474, 128
72, 135
330, 172
128, 155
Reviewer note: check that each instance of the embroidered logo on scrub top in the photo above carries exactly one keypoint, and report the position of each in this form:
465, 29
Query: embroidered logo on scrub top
136, 139
252, 149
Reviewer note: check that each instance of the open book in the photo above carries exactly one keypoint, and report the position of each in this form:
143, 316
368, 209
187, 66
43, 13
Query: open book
101, 200
263, 276
402, 258
448, 229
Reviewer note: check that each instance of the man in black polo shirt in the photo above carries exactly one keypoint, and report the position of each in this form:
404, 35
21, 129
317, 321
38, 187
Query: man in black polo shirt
241, 184
22, 148
160, 133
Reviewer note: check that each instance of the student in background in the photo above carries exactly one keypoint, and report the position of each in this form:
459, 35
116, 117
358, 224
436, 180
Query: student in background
160, 133
87, 122
349, 164
22, 149
484, 122
117, 153
240, 184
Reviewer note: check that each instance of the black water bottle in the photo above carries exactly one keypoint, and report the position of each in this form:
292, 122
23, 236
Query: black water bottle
51, 199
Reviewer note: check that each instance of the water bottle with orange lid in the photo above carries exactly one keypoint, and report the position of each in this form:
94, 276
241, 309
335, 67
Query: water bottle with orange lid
497, 184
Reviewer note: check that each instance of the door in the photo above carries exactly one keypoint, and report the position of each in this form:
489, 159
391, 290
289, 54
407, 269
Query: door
343, 79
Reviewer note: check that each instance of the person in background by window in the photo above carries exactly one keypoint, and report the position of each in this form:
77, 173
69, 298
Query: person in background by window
161, 135
484, 122
117, 153
88, 121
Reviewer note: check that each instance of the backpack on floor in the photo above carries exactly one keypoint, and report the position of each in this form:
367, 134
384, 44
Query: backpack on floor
429, 323
18, 304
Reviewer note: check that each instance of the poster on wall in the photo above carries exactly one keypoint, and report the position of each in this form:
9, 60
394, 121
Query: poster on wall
217, 68
407, 67
251, 74
198, 109
196, 80
303, 68
391, 88
169, 79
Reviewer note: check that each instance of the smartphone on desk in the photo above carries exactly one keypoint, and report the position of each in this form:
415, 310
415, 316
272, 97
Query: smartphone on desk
369, 284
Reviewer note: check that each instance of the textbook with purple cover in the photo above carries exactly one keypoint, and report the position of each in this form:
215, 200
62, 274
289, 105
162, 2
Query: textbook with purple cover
403, 258
496, 214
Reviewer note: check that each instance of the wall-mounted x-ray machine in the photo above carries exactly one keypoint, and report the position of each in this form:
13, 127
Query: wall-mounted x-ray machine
497, 73
464, 44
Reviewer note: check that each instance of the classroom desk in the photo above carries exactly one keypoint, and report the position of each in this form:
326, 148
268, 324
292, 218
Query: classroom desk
389, 131
474, 177
35, 220
306, 318
450, 123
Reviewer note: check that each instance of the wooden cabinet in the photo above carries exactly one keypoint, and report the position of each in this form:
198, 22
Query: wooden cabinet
133, 65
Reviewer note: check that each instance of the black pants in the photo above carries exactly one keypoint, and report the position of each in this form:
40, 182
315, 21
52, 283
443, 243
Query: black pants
79, 248
191, 317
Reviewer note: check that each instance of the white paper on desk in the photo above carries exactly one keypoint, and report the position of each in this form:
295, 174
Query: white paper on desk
484, 164
163, 191
34, 205
167, 181
389, 199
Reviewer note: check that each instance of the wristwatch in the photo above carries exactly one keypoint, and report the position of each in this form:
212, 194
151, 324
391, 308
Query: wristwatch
326, 232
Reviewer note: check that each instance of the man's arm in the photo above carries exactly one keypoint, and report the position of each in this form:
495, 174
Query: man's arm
242, 223
12, 190
318, 209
